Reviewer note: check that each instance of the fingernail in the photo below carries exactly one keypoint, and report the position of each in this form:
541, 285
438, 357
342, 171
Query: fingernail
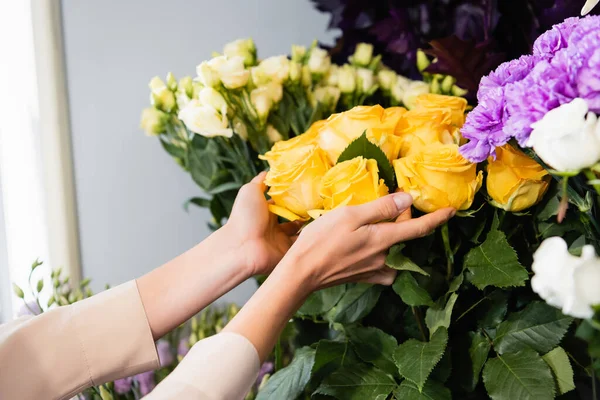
402, 200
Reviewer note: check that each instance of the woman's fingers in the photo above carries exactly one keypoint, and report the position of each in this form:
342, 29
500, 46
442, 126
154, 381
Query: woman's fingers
405, 216
260, 180
384, 208
390, 233
291, 228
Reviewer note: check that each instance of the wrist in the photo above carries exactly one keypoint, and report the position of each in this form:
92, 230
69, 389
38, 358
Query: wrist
224, 243
295, 271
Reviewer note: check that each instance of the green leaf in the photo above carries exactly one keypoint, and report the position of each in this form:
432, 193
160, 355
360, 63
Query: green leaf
456, 283
322, 301
332, 355
198, 201
356, 303
523, 376
363, 147
396, 260
415, 360
436, 318
357, 382
432, 391
478, 352
173, 150
288, 383
559, 363
539, 327
407, 287
550, 209
495, 263
374, 346
492, 310
225, 187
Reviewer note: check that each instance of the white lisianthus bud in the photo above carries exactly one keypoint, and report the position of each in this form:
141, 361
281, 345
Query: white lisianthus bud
186, 85
414, 90
332, 77
276, 68
153, 121
262, 102
207, 75
565, 281
275, 91
366, 80
347, 79
210, 97
295, 71
205, 120
240, 128
298, 53
244, 48
273, 134
362, 55
328, 96
566, 139
161, 96
233, 74
386, 78
171, 81
399, 88
306, 76
156, 84
258, 76
318, 61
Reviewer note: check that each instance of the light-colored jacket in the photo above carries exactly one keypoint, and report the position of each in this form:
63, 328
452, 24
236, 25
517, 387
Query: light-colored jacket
68, 349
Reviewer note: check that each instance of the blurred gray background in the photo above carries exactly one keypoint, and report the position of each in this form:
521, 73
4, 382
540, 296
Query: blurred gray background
129, 192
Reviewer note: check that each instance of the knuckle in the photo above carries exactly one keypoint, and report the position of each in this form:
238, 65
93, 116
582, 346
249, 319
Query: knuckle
387, 208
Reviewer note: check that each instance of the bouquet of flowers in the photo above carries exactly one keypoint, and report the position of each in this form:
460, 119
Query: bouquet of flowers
217, 124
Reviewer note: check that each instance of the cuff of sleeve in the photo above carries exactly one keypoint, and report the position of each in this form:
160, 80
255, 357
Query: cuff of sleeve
114, 334
221, 367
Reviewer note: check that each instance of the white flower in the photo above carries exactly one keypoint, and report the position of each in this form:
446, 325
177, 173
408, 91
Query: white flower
232, 73
205, 120
244, 48
332, 77
589, 6
153, 121
363, 54
347, 78
295, 71
565, 281
262, 101
366, 79
327, 95
276, 68
318, 61
412, 91
240, 128
273, 134
306, 76
298, 53
210, 97
207, 75
161, 96
399, 88
387, 78
565, 139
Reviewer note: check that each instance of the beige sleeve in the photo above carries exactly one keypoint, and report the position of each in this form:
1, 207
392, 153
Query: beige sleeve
221, 367
61, 352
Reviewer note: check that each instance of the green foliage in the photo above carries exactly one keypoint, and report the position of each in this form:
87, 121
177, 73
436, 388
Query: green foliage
289, 382
322, 301
431, 391
356, 303
440, 318
559, 363
522, 375
415, 360
363, 147
396, 260
357, 382
407, 287
374, 346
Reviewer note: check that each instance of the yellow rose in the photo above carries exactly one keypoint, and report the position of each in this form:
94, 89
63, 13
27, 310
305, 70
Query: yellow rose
341, 129
422, 127
457, 105
352, 182
438, 177
295, 180
281, 148
515, 182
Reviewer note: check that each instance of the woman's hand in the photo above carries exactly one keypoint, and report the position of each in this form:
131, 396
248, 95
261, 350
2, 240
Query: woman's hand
347, 245
255, 231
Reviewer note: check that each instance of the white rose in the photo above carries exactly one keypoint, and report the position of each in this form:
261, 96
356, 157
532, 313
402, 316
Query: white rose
210, 97
386, 78
273, 134
565, 139
244, 48
565, 281
262, 101
414, 90
363, 54
318, 61
232, 72
276, 68
205, 120
589, 6
347, 78
366, 79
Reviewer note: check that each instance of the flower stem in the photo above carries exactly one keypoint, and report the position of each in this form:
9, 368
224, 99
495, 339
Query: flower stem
278, 355
592, 177
419, 319
449, 252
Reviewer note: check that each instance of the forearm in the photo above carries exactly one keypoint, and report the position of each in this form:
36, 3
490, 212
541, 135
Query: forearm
265, 315
174, 292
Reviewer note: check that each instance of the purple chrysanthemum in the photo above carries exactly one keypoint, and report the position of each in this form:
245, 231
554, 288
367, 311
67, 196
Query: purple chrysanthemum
484, 127
509, 72
123, 386
584, 63
556, 39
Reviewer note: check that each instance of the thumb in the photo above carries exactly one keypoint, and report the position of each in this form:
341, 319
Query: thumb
384, 208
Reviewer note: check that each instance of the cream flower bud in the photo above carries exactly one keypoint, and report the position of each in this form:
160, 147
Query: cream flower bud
295, 71
366, 80
205, 120
318, 61
362, 55
566, 139
328, 96
275, 91
298, 53
332, 77
399, 88
207, 75
210, 97
244, 48
276, 68
347, 79
240, 128
153, 121
306, 76
233, 74
262, 102
414, 90
386, 78
156, 85
171, 81
186, 85
273, 134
